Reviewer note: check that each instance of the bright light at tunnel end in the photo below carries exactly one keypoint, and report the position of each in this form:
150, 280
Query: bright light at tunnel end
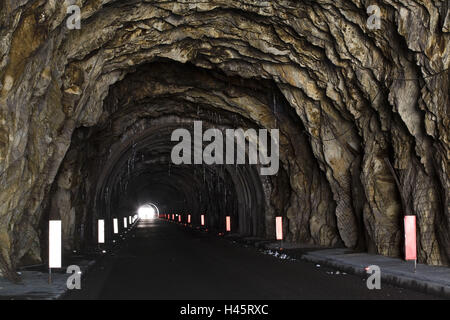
146, 212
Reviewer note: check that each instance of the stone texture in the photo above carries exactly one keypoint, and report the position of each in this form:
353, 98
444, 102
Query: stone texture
354, 106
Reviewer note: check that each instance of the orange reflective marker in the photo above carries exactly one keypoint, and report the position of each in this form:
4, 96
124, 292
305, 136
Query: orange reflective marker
189, 218
410, 238
228, 223
279, 227
202, 220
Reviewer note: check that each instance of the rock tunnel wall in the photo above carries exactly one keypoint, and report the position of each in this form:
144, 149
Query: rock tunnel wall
363, 114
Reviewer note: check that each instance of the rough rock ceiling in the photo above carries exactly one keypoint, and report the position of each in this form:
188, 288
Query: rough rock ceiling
353, 105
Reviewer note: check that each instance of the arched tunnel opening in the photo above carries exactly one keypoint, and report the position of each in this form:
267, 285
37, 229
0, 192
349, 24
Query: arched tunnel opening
148, 211
125, 161
338, 128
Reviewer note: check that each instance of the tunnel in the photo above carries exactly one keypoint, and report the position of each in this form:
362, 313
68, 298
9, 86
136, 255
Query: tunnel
88, 115
126, 162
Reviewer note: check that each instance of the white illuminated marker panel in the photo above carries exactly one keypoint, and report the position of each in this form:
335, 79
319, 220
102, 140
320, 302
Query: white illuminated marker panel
129, 220
101, 231
228, 223
116, 226
125, 222
279, 227
54, 245
202, 220
189, 218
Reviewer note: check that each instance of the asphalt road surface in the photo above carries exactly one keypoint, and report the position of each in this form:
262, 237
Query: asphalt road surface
163, 260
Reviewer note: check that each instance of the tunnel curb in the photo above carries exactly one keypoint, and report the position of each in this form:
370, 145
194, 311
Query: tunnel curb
428, 279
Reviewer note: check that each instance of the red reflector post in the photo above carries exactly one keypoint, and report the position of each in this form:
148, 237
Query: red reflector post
410, 238
228, 223
279, 227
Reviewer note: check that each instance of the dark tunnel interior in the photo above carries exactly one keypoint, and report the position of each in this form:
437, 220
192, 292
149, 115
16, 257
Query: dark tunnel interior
125, 161
286, 125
